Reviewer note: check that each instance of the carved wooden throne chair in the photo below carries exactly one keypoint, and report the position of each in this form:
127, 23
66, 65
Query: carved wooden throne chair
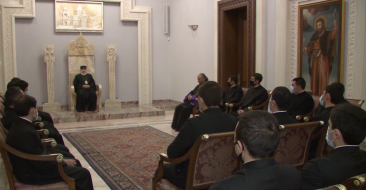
81, 52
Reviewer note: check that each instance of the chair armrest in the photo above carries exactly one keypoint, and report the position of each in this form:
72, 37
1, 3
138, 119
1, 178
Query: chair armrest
51, 143
43, 133
230, 106
164, 158
307, 118
51, 157
38, 124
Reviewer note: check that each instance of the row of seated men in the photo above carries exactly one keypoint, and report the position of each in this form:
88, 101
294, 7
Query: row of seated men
22, 119
257, 137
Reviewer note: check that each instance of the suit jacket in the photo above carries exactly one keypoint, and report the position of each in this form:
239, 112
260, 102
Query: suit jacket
23, 137
9, 118
301, 104
261, 175
254, 96
212, 120
341, 164
284, 118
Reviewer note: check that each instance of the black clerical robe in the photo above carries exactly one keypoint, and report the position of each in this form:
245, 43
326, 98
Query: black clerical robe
184, 110
301, 104
232, 95
284, 118
254, 96
261, 174
342, 163
23, 137
86, 98
11, 116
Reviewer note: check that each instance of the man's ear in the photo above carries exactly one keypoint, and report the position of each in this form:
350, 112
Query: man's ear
337, 134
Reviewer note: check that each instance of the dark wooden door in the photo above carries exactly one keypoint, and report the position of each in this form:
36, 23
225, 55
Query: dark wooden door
236, 41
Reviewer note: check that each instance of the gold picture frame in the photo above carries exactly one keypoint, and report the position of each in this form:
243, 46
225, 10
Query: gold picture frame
321, 43
78, 16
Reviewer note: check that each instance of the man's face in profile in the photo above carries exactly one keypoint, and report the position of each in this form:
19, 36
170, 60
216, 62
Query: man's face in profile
319, 27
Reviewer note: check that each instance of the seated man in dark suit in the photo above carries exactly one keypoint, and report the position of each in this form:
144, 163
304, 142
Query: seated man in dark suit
11, 95
42, 116
255, 95
345, 133
256, 139
23, 137
302, 103
333, 95
278, 104
233, 94
212, 120
184, 110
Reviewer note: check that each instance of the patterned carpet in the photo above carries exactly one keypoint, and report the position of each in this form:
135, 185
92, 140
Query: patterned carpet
125, 158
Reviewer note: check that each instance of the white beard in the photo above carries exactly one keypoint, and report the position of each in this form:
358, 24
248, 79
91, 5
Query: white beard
83, 74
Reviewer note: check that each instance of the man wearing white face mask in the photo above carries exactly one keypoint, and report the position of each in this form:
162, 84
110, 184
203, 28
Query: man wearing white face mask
347, 129
333, 95
278, 104
256, 139
302, 102
212, 120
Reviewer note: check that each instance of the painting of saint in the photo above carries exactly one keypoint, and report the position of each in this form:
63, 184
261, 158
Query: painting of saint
321, 47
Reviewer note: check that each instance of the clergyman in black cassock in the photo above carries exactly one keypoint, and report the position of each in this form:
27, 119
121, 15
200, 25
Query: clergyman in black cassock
184, 110
233, 94
86, 98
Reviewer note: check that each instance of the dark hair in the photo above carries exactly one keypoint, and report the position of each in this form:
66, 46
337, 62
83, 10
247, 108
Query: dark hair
21, 84
320, 20
300, 82
282, 96
204, 76
11, 95
351, 121
210, 92
12, 81
259, 131
23, 104
258, 76
234, 78
336, 91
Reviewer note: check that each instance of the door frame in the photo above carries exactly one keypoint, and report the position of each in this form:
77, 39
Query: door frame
226, 5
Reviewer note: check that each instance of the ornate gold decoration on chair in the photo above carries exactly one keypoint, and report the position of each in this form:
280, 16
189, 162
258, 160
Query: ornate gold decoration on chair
294, 143
353, 183
211, 158
81, 52
14, 184
263, 105
316, 108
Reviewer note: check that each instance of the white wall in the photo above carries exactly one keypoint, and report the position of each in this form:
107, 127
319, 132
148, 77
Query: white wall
190, 52
270, 44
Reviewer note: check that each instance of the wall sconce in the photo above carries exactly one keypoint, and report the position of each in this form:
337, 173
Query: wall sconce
193, 27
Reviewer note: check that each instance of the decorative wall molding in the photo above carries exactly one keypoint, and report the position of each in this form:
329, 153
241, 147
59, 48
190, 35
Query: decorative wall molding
350, 46
129, 12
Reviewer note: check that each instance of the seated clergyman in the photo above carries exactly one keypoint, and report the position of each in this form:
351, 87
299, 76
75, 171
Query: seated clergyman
86, 98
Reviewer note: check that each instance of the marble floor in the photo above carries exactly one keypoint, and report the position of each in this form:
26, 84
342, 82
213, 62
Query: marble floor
161, 123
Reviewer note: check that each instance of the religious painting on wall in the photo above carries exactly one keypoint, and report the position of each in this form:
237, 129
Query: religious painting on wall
78, 16
321, 44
